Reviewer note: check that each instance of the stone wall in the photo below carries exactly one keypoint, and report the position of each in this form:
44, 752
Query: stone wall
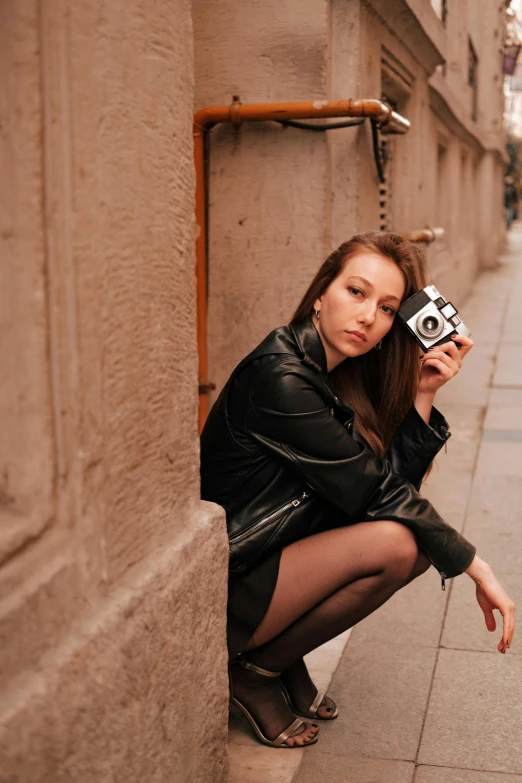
112, 570
112, 644
281, 199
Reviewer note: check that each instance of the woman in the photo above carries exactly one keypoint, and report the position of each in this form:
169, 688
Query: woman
316, 448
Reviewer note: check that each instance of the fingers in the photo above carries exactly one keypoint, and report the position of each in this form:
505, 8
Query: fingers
449, 349
490, 596
491, 623
444, 364
442, 369
453, 351
466, 343
463, 340
508, 616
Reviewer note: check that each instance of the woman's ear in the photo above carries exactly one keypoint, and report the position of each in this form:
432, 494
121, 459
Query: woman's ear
317, 303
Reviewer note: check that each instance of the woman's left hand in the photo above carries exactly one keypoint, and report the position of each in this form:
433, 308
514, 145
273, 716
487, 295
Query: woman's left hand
442, 363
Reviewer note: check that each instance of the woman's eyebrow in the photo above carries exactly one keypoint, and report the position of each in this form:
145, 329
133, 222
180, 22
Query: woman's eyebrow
367, 282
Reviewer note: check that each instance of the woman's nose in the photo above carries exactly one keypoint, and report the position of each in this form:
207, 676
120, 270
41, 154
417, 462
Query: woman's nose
367, 314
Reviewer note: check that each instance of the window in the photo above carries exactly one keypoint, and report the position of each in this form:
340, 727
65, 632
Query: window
465, 194
441, 9
443, 207
473, 79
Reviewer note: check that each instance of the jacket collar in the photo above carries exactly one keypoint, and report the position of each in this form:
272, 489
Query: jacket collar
310, 345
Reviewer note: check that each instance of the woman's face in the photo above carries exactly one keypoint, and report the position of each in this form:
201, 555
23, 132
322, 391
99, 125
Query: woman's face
358, 307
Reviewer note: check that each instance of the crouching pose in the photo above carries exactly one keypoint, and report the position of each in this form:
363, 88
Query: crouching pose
316, 448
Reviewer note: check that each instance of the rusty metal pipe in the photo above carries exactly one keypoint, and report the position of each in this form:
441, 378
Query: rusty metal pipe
236, 113
205, 119
426, 235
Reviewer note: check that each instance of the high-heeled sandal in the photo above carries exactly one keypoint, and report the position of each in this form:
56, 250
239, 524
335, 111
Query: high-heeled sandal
314, 706
279, 741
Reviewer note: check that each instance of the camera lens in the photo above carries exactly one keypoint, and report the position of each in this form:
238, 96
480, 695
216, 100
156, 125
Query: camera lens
430, 325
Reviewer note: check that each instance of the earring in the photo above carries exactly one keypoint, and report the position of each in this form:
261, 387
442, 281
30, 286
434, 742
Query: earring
317, 313
378, 346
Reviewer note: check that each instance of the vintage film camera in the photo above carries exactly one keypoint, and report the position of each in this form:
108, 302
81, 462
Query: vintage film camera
430, 318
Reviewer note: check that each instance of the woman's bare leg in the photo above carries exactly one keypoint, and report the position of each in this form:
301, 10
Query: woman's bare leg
326, 584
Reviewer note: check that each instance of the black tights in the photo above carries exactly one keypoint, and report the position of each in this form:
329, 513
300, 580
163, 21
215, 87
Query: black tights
326, 584
329, 582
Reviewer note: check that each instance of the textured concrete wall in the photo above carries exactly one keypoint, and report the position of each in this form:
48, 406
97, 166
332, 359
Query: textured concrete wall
112, 657
281, 199
268, 184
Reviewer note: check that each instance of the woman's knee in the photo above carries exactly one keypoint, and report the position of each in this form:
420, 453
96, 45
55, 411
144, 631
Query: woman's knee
399, 543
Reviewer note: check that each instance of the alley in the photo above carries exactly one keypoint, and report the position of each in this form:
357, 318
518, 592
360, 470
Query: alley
175, 176
424, 696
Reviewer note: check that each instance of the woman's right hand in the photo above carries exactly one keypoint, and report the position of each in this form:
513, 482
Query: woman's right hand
491, 595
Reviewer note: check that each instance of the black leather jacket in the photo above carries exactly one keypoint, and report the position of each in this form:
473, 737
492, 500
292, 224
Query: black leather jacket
281, 454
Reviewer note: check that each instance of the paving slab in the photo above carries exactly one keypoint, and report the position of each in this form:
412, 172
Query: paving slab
464, 626
484, 305
474, 719
495, 495
493, 522
465, 423
318, 767
481, 304
504, 417
484, 333
449, 483
449, 492
262, 764
499, 457
501, 398
470, 386
512, 329
323, 661
484, 321
425, 774
508, 371
382, 693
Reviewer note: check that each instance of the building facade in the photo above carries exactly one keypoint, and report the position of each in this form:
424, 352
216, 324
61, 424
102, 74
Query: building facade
513, 82
112, 570
280, 199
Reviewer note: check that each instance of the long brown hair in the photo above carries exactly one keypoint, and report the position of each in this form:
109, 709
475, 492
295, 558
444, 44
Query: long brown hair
379, 386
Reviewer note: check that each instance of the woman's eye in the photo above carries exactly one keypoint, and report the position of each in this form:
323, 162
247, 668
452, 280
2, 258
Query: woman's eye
388, 310
354, 291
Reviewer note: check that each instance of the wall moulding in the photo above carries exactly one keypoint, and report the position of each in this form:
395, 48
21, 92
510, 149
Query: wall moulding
416, 25
397, 80
452, 124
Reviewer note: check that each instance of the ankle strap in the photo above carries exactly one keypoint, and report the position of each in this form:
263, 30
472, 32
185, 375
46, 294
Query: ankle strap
252, 667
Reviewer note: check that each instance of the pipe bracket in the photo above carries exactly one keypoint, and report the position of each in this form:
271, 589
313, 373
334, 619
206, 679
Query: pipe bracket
235, 112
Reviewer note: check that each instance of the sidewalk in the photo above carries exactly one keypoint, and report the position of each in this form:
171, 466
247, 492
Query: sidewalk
423, 694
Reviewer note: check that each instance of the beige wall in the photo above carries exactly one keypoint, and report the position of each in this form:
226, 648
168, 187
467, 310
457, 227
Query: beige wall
106, 625
281, 199
112, 570
268, 184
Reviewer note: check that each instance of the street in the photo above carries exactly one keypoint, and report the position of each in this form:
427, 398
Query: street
424, 696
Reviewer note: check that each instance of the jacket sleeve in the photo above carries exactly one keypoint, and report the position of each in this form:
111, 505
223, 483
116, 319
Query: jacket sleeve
416, 444
288, 417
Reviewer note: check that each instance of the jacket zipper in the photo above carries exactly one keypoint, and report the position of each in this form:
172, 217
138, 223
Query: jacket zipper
263, 521
443, 578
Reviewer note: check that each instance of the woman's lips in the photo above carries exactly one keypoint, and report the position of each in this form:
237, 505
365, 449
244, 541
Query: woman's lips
356, 337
